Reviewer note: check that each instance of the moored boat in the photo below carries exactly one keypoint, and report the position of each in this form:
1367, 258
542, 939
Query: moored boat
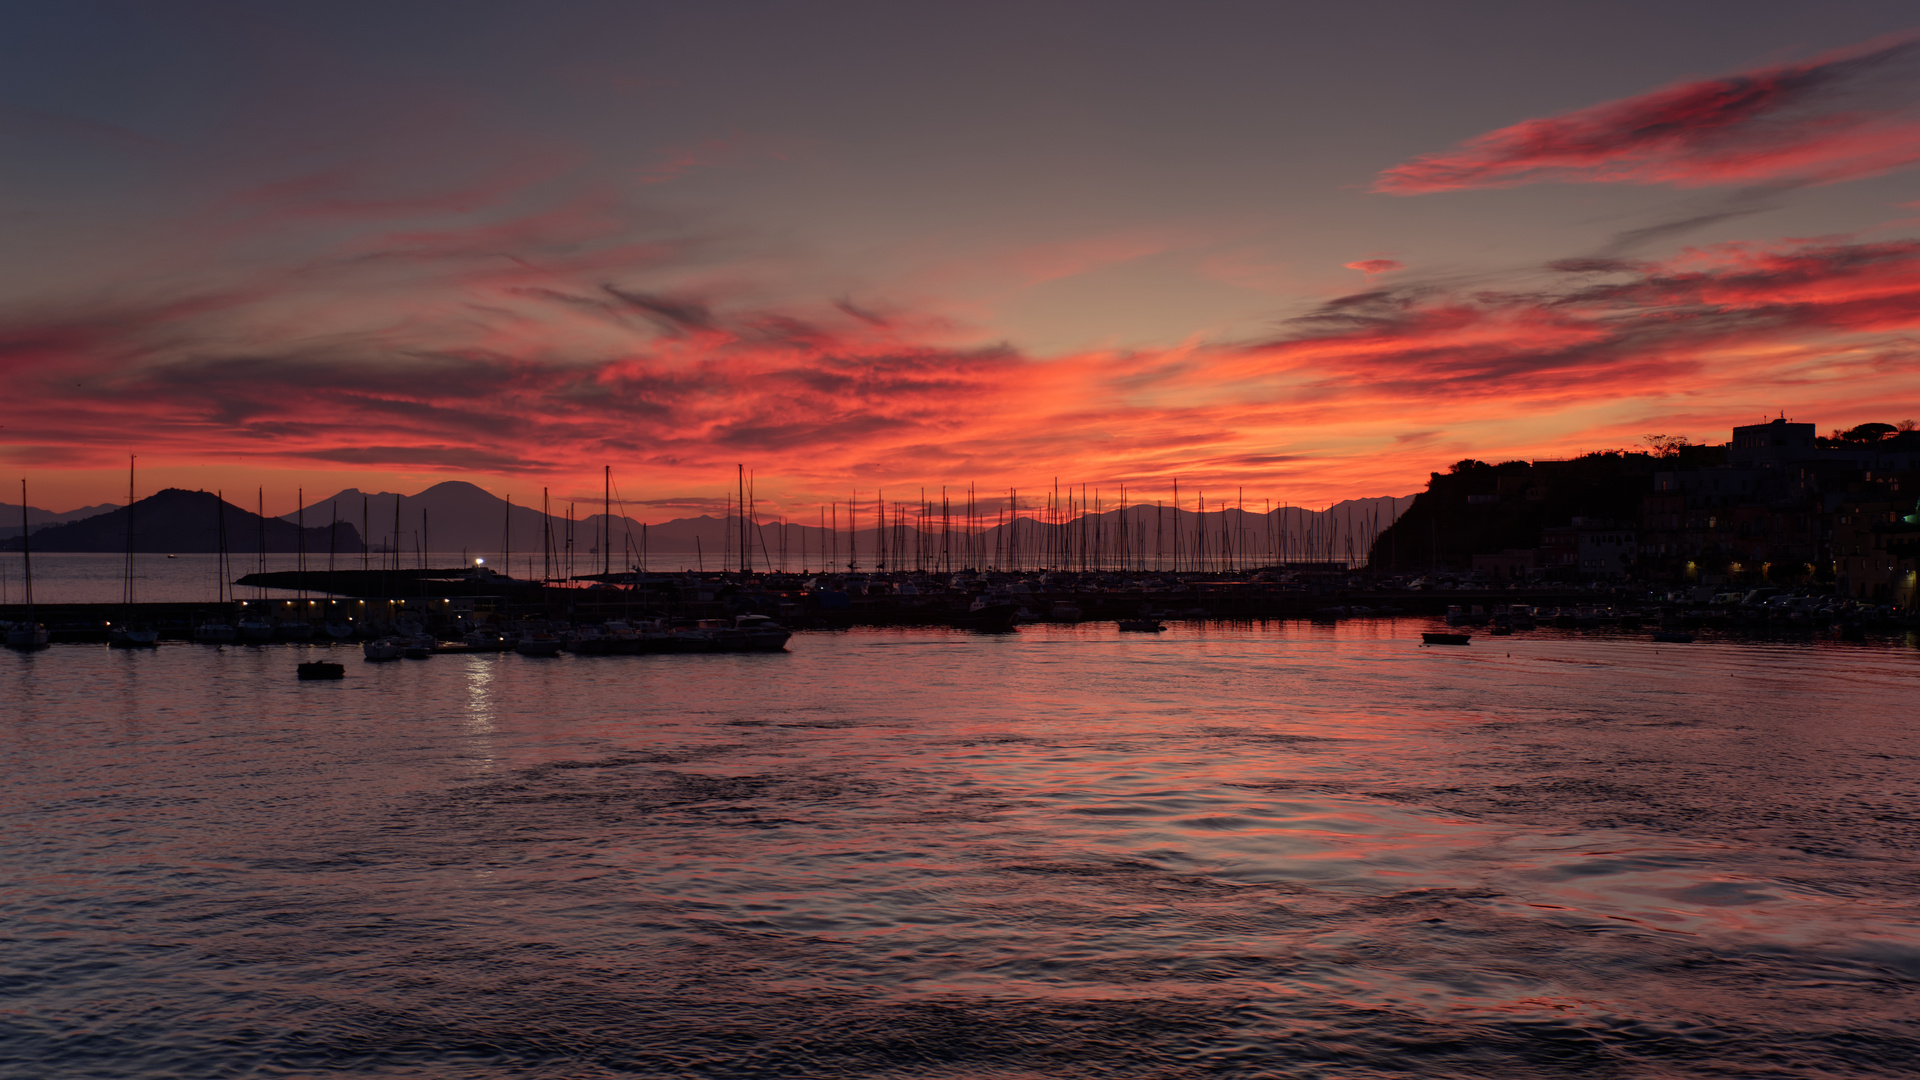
215, 633
321, 669
538, 642
1431, 637
382, 649
761, 633
128, 636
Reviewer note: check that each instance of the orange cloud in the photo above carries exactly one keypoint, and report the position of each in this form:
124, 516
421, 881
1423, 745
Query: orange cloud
1847, 115
1371, 267
503, 368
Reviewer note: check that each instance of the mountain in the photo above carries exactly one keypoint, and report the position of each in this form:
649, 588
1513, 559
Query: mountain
176, 521
38, 519
449, 516
455, 515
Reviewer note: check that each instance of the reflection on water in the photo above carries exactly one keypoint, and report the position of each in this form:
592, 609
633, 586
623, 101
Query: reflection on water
1279, 850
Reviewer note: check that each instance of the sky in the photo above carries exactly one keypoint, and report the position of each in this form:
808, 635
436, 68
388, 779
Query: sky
1308, 252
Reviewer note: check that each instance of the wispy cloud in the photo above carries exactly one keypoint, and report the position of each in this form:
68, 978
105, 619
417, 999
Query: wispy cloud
1842, 116
1370, 267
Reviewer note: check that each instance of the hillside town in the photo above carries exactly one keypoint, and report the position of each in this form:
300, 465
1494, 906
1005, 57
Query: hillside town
1777, 505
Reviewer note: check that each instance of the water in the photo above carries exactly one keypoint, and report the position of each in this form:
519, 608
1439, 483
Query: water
1258, 851
74, 577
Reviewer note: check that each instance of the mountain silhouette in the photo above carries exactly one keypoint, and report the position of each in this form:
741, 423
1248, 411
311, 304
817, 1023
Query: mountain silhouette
176, 520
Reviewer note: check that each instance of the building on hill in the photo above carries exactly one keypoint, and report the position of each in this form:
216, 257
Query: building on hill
1589, 549
1876, 543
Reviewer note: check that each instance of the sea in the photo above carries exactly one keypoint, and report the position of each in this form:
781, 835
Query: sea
1280, 849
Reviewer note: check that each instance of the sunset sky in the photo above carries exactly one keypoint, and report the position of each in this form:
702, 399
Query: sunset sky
1314, 251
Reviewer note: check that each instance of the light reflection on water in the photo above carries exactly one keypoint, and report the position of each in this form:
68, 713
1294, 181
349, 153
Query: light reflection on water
1288, 850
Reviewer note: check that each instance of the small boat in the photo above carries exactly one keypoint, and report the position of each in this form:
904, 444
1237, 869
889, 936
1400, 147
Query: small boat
382, 649
990, 618
322, 669
1673, 637
27, 635
1431, 637
486, 639
128, 636
762, 633
1142, 626
538, 643
215, 633
255, 629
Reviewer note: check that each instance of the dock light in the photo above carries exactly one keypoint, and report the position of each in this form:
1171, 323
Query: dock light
479, 562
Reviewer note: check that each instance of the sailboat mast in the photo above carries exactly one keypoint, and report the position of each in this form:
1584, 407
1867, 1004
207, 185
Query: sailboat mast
606, 521
26, 549
126, 592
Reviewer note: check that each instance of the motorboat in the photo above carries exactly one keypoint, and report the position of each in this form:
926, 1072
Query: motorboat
383, 649
762, 633
254, 629
27, 635
486, 639
1431, 637
215, 633
587, 641
322, 669
129, 636
538, 643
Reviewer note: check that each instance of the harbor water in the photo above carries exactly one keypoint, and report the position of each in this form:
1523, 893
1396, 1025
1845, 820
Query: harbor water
1255, 850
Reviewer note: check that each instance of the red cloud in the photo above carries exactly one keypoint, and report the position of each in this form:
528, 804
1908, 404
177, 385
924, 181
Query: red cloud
518, 374
1841, 117
1371, 267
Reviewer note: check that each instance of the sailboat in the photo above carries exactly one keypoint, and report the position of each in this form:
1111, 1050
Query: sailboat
218, 631
29, 634
129, 635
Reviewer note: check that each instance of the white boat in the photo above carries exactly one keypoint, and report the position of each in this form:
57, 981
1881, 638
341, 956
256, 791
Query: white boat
762, 633
538, 643
337, 629
27, 635
215, 633
132, 637
382, 649
253, 628
486, 639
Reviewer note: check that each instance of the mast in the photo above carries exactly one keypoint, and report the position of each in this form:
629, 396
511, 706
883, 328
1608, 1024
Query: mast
26, 550
740, 482
220, 565
606, 521
333, 543
126, 592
